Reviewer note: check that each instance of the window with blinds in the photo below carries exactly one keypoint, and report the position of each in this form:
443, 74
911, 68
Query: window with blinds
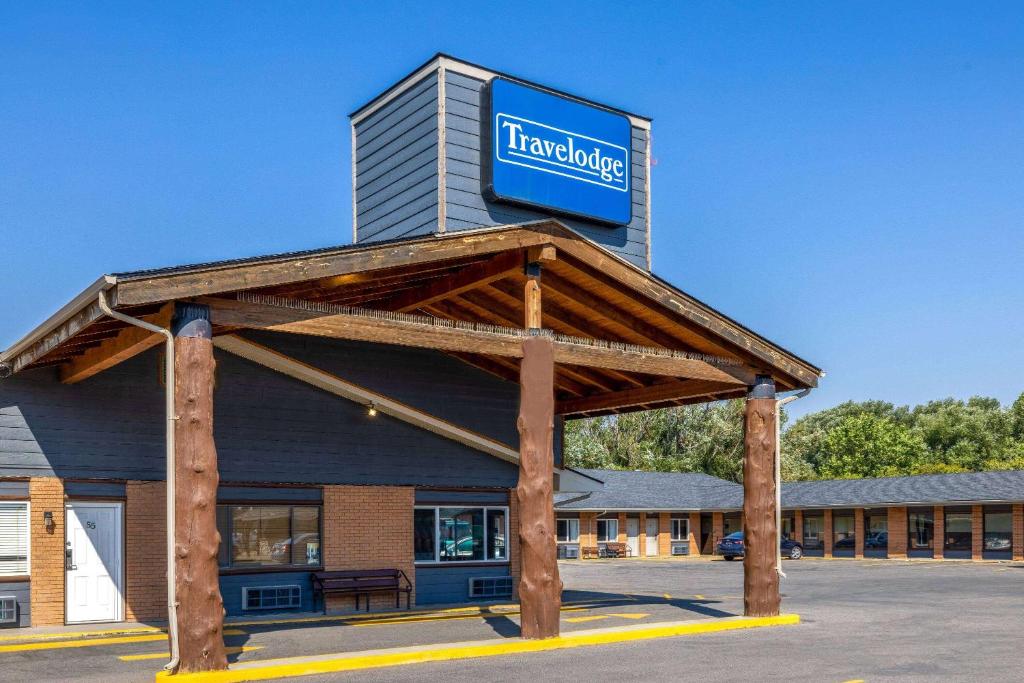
13, 539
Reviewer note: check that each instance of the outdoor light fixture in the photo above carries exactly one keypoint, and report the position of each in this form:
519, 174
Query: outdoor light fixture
371, 410
48, 520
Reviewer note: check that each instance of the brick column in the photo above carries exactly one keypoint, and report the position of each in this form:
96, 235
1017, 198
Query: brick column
46, 494
898, 533
664, 534
858, 533
588, 530
1018, 532
977, 532
694, 534
717, 530
798, 526
146, 551
370, 527
829, 533
642, 541
938, 532
621, 538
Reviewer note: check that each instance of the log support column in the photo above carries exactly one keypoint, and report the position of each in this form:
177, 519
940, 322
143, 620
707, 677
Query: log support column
200, 607
540, 589
760, 580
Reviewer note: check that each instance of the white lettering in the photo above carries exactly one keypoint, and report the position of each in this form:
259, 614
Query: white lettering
513, 128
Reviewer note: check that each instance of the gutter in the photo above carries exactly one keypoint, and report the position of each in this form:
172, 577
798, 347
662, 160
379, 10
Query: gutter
66, 312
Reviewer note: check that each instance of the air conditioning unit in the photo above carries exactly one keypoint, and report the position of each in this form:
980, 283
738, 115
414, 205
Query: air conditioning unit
571, 552
680, 548
490, 587
8, 609
271, 597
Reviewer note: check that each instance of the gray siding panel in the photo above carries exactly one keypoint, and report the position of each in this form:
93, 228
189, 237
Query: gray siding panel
396, 166
466, 207
20, 591
443, 585
436, 497
268, 427
94, 489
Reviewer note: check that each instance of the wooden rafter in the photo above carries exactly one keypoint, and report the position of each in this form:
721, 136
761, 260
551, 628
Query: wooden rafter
629, 398
125, 344
470, 277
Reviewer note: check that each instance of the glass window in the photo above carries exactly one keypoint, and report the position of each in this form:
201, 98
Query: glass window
14, 541
919, 526
878, 530
812, 531
460, 534
424, 533
496, 548
842, 531
998, 530
567, 530
607, 530
680, 529
957, 530
269, 535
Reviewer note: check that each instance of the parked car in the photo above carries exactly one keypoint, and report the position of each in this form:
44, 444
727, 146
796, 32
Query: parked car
997, 543
847, 542
732, 547
877, 540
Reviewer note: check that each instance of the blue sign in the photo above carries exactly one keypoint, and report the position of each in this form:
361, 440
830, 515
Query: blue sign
555, 153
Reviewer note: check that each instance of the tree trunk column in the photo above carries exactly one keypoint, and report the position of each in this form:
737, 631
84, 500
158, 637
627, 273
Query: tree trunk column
540, 589
200, 607
760, 580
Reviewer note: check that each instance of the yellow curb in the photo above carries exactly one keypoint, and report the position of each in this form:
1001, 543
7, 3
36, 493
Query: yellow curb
94, 642
71, 635
280, 668
164, 655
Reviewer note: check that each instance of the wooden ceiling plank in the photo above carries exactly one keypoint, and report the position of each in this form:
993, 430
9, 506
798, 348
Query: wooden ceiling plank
463, 280
668, 391
129, 342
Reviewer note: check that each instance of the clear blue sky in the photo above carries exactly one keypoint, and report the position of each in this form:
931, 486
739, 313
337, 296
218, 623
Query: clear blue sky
847, 180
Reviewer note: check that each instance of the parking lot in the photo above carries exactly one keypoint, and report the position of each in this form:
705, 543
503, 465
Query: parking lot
862, 620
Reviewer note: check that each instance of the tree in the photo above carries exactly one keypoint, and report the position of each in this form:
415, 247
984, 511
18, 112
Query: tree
868, 445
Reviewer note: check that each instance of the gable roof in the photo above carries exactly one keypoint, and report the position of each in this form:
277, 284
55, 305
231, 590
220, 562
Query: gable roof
654, 491
966, 487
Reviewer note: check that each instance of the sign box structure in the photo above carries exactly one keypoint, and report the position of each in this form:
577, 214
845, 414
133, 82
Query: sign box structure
553, 153
423, 161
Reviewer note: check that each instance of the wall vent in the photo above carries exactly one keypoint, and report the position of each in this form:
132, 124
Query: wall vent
680, 548
490, 587
271, 597
572, 552
8, 609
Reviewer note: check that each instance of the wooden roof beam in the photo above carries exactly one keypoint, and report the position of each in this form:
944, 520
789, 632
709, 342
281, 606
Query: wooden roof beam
127, 343
631, 398
463, 280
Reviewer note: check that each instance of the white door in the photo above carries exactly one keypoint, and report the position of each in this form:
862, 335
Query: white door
633, 536
652, 537
93, 562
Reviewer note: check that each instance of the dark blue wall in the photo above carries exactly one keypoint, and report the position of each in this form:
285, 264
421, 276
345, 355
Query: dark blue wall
231, 589
269, 428
440, 585
20, 590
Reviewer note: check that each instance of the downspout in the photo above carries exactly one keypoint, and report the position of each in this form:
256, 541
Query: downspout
172, 598
778, 476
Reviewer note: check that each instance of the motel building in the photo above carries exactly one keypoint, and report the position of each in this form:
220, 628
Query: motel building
391, 409
971, 516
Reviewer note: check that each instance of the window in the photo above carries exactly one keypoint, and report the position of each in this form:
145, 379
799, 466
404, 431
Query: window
877, 530
842, 530
813, 525
957, 529
567, 530
919, 528
998, 529
13, 539
680, 529
607, 530
463, 534
269, 535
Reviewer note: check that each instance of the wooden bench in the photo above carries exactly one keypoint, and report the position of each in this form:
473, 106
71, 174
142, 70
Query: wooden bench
616, 550
362, 582
589, 552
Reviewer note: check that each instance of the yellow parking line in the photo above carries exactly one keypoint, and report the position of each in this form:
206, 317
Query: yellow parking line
667, 596
94, 642
163, 655
699, 597
581, 620
423, 619
281, 668
629, 615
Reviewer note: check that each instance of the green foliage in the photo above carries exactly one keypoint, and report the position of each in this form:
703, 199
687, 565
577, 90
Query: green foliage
866, 439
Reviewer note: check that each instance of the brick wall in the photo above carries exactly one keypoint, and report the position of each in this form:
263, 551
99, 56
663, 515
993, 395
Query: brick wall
622, 528
798, 526
898, 532
829, 533
369, 527
694, 533
588, 530
977, 531
145, 551
938, 532
46, 494
642, 540
858, 532
1018, 532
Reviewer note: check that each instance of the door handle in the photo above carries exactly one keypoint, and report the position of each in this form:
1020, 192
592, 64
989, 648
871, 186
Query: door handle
69, 559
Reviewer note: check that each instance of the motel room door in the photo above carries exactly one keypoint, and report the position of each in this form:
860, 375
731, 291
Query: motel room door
652, 537
94, 562
633, 536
